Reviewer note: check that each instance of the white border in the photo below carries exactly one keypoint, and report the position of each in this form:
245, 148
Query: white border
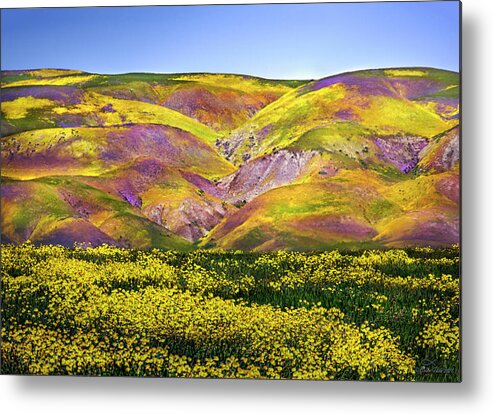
474, 395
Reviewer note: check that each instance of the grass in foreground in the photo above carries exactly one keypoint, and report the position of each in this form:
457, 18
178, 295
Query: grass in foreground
369, 315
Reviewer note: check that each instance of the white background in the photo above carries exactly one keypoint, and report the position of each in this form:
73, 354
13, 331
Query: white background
473, 395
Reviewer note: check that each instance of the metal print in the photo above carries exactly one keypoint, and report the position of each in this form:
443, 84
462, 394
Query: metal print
235, 191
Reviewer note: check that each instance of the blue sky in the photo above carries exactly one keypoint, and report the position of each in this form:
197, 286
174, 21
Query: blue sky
273, 41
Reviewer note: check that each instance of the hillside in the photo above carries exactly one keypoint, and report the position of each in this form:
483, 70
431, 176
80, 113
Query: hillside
361, 159
51, 98
358, 107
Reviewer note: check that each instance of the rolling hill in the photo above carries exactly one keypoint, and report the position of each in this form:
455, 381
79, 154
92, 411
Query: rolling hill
179, 161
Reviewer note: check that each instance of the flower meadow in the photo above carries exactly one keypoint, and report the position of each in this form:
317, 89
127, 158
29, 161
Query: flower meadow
379, 315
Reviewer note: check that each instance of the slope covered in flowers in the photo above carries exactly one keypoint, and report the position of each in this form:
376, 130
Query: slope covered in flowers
362, 159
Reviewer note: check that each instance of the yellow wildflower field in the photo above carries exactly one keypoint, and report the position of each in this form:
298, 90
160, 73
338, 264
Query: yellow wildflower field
388, 315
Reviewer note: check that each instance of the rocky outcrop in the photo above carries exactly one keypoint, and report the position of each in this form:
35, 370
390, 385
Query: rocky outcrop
401, 151
442, 154
191, 219
262, 174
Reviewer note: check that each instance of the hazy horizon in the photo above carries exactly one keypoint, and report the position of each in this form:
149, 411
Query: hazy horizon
232, 74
